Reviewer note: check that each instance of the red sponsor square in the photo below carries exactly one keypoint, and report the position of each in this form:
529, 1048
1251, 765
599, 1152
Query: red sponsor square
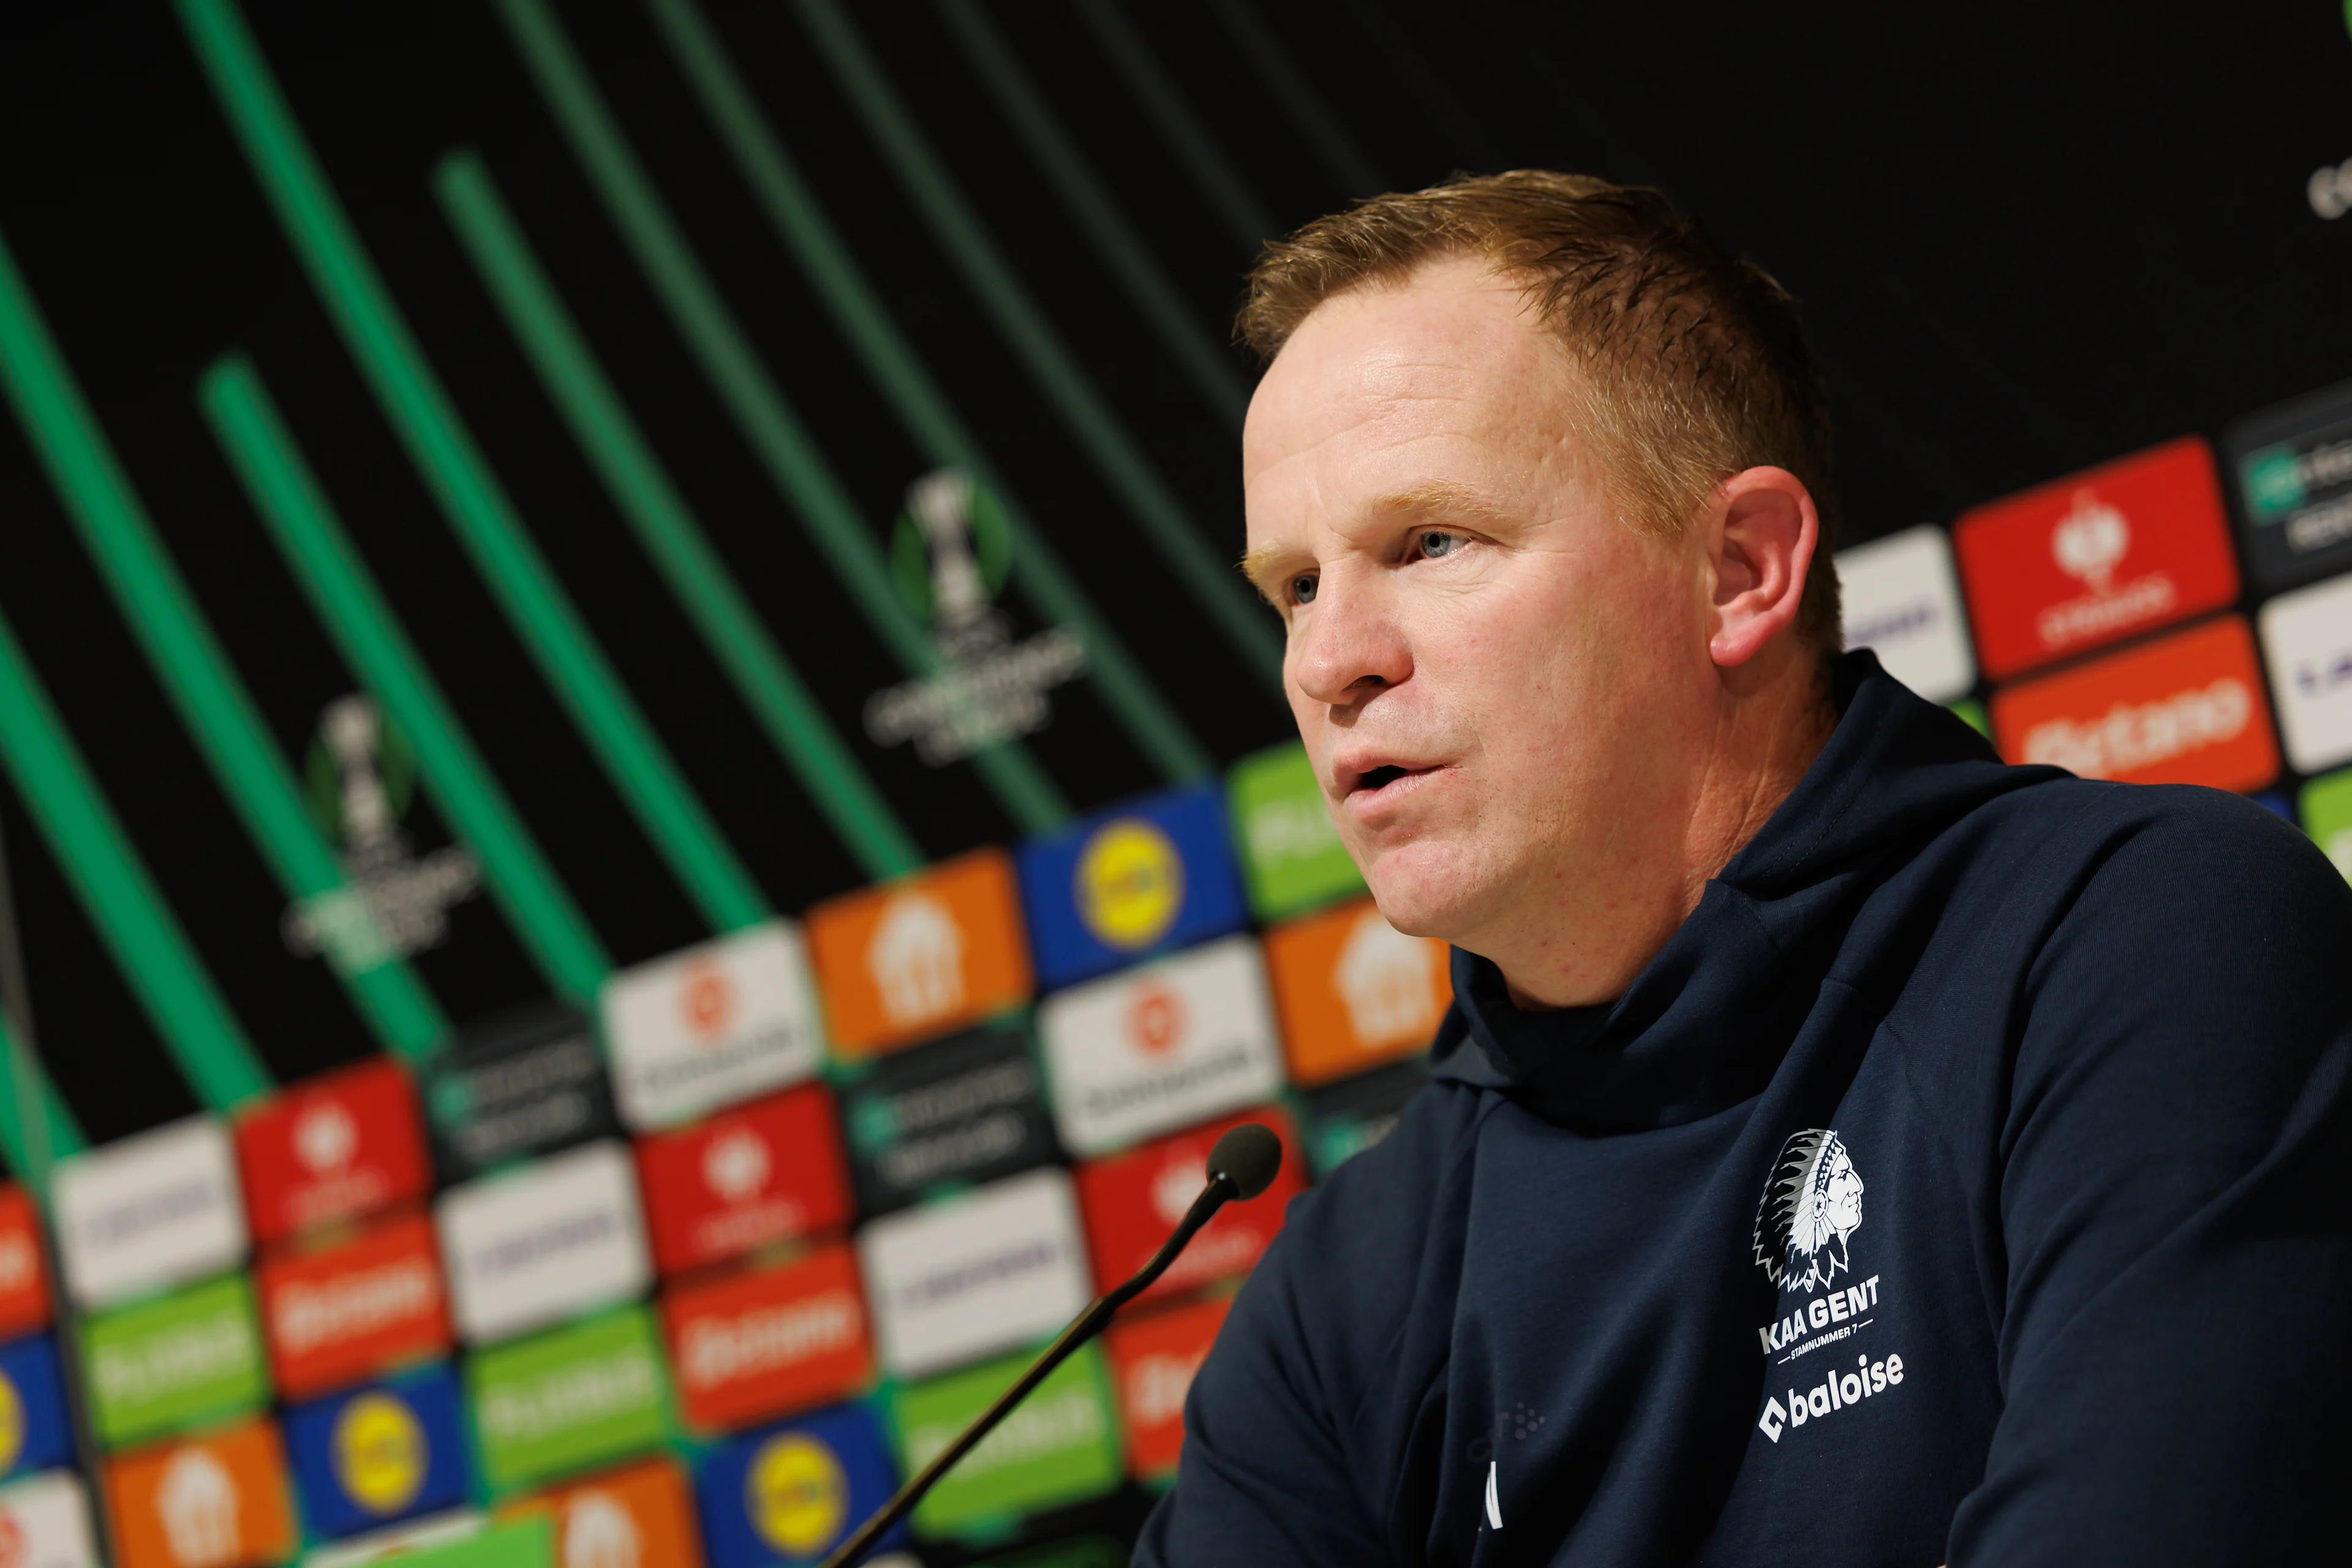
2082, 561
1153, 1361
1132, 1201
2186, 709
772, 1341
24, 1276
336, 1314
770, 1171
332, 1147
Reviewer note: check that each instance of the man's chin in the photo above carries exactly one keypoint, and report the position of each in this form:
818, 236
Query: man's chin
1439, 905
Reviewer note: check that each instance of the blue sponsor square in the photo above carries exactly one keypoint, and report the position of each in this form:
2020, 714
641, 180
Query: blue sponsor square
34, 1432
1154, 874
791, 1492
380, 1453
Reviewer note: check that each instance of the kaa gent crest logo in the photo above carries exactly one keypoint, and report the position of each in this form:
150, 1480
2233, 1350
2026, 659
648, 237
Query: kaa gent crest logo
1812, 1202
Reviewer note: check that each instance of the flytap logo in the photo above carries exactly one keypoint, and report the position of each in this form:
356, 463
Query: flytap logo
951, 555
361, 779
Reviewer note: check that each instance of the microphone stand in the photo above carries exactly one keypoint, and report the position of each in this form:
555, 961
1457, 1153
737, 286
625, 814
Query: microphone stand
1222, 1188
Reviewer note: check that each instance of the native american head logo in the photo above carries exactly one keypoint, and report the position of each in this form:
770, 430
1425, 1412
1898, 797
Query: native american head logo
1811, 1204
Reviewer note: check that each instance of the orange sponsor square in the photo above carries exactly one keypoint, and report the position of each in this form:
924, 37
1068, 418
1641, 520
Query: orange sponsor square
2187, 709
919, 957
1153, 1359
215, 1501
1353, 991
772, 1342
23, 1278
337, 1313
641, 1517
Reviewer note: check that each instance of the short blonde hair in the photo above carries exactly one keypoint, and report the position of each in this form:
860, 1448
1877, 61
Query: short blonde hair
1693, 365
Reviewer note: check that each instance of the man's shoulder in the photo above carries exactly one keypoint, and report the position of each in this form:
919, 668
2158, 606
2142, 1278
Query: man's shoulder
1387, 1198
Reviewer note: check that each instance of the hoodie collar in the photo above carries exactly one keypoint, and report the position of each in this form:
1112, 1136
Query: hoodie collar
1707, 1021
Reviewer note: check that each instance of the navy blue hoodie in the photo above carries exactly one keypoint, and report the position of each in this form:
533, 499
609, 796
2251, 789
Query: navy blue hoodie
1968, 1179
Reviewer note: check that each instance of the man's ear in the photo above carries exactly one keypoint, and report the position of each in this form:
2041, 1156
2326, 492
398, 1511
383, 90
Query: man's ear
1761, 528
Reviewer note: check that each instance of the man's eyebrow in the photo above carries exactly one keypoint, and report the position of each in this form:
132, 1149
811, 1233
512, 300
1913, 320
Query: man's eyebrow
1254, 562
1444, 499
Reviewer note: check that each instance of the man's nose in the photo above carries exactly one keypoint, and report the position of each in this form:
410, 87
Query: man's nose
1351, 644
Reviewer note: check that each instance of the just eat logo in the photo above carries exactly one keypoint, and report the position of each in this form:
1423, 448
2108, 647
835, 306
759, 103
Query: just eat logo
2108, 552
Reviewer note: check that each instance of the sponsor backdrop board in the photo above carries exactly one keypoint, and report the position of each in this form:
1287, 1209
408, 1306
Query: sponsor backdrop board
380, 1453
148, 1212
2327, 812
1902, 600
2102, 555
528, 1084
2292, 468
2184, 709
1290, 852
924, 955
719, 1023
191, 1356
2307, 644
643, 1514
24, 1273
768, 1172
220, 1499
1160, 1046
1155, 874
968, 1108
1058, 1447
974, 1274
1132, 1201
767, 1342
1153, 1357
1352, 992
1345, 1119
340, 1309
790, 1493
568, 1399
34, 1430
342, 1145
534, 1246
46, 1519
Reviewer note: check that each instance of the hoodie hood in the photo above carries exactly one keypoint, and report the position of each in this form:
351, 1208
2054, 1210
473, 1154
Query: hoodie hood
1707, 1021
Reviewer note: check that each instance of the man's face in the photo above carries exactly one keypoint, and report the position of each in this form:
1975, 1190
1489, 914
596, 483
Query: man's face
1506, 689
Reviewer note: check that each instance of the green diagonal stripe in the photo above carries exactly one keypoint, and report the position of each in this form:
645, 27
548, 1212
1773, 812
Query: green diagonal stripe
128, 914
348, 604
921, 407
641, 488
1091, 208
187, 660
64, 1135
469, 494
769, 425
1214, 583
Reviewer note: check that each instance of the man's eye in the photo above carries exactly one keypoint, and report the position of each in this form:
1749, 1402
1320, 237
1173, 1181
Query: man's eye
1434, 543
1302, 590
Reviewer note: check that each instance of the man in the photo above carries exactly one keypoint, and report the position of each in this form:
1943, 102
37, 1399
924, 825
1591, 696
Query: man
1843, 1149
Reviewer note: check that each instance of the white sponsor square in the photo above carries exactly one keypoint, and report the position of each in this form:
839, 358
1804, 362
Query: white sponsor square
988, 1270
47, 1521
1902, 600
721, 1022
534, 1246
1160, 1046
2308, 643
149, 1212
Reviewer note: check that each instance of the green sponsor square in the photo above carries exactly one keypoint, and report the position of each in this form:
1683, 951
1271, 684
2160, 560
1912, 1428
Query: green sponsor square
1060, 1447
527, 1542
2326, 806
1291, 855
167, 1363
1970, 709
567, 1399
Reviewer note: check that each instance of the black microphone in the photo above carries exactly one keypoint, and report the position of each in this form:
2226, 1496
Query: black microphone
1242, 1165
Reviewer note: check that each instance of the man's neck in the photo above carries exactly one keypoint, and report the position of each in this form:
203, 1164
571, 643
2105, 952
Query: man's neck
1609, 925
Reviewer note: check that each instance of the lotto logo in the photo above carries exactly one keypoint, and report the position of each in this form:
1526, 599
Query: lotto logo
2081, 562
2186, 709
1353, 991
214, 1502
921, 956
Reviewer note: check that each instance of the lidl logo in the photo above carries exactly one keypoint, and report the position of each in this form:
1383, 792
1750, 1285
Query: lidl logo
791, 1492
797, 1494
380, 1453
922, 956
1155, 874
34, 1432
1129, 884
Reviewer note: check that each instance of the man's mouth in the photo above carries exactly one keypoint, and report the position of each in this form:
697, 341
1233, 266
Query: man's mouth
1383, 782
1380, 776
